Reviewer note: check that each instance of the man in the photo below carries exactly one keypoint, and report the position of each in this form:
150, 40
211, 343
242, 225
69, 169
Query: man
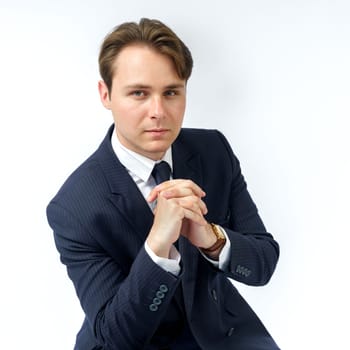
153, 223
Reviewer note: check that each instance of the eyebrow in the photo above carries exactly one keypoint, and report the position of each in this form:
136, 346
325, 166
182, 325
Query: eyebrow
143, 86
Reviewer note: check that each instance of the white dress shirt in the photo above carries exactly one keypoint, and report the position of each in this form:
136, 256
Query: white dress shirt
140, 169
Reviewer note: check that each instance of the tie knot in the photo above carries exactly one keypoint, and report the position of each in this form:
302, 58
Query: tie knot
161, 172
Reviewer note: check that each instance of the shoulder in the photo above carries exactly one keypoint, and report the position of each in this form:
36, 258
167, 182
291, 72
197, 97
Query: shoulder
199, 135
196, 132
88, 180
211, 142
82, 189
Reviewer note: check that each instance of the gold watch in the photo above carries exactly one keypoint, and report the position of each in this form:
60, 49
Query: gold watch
220, 239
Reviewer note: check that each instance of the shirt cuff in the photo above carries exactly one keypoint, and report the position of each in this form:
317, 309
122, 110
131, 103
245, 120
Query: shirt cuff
224, 257
171, 265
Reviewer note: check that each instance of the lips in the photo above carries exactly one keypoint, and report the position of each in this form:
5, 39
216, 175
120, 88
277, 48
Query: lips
157, 133
157, 130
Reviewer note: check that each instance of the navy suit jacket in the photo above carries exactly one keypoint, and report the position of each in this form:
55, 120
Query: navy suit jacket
101, 220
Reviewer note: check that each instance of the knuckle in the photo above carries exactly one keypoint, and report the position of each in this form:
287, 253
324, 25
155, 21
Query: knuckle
188, 182
194, 206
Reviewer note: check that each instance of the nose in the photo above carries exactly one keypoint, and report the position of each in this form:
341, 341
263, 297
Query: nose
157, 107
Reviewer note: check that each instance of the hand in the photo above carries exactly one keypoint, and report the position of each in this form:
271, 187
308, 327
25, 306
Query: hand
168, 220
178, 188
187, 195
201, 236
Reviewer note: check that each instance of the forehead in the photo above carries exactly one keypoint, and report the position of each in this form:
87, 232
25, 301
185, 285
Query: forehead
142, 62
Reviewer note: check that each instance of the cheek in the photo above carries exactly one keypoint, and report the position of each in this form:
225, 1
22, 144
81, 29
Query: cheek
178, 111
128, 114
177, 107
182, 106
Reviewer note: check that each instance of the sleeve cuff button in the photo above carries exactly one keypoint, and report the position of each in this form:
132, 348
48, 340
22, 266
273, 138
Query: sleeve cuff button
163, 288
153, 307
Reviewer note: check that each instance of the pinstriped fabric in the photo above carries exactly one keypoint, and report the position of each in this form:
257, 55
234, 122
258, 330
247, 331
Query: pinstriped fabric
100, 221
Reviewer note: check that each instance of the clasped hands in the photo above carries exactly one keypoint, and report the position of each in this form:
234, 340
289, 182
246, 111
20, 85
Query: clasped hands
180, 210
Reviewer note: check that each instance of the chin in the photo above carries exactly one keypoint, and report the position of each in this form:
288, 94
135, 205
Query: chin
160, 145
157, 153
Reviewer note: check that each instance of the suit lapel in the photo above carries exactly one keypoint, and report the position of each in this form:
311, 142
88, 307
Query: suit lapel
125, 194
135, 210
186, 164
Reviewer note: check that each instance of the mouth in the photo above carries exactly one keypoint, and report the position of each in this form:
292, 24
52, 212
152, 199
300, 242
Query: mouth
158, 133
157, 130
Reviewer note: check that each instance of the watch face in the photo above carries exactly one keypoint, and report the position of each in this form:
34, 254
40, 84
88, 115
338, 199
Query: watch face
218, 232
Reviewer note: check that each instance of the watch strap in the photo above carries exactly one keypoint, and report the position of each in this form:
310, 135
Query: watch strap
220, 240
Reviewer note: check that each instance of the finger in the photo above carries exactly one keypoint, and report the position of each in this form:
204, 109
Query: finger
176, 188
195, 217
155, 192
203, 207
181, 183
193, 203
177, 192
190, 202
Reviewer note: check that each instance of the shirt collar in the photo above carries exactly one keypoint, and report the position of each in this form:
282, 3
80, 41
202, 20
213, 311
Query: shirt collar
136, 163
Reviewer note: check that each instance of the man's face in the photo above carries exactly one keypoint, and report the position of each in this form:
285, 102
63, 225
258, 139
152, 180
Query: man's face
147, 100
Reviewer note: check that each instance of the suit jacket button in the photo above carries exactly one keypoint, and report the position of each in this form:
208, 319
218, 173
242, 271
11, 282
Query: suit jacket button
230, 332
163, 288
213, 293
153, 307
160, 294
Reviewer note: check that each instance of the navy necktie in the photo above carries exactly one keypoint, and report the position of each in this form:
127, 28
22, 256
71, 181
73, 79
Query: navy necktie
161, 172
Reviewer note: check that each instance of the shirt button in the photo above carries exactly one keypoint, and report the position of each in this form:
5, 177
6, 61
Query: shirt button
230, 332
213, 293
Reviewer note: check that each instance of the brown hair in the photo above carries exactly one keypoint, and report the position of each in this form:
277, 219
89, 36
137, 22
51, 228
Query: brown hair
150, 32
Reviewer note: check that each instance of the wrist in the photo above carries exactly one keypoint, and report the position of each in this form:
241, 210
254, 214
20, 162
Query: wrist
213, 250
210, 237
161, 249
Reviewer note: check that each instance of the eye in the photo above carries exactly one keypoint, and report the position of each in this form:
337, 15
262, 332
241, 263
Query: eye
138, 93
170, 93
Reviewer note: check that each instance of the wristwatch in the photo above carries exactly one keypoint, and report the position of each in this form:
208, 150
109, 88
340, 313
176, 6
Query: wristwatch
220, 239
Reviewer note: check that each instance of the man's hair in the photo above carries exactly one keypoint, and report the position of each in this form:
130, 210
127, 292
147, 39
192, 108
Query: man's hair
151, 33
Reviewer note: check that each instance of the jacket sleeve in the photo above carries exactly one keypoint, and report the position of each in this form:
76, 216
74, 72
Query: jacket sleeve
114, 300
254, 252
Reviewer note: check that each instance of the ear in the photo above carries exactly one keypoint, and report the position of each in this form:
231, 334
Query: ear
104, 94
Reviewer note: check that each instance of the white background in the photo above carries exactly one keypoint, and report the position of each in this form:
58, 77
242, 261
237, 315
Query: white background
272, 75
